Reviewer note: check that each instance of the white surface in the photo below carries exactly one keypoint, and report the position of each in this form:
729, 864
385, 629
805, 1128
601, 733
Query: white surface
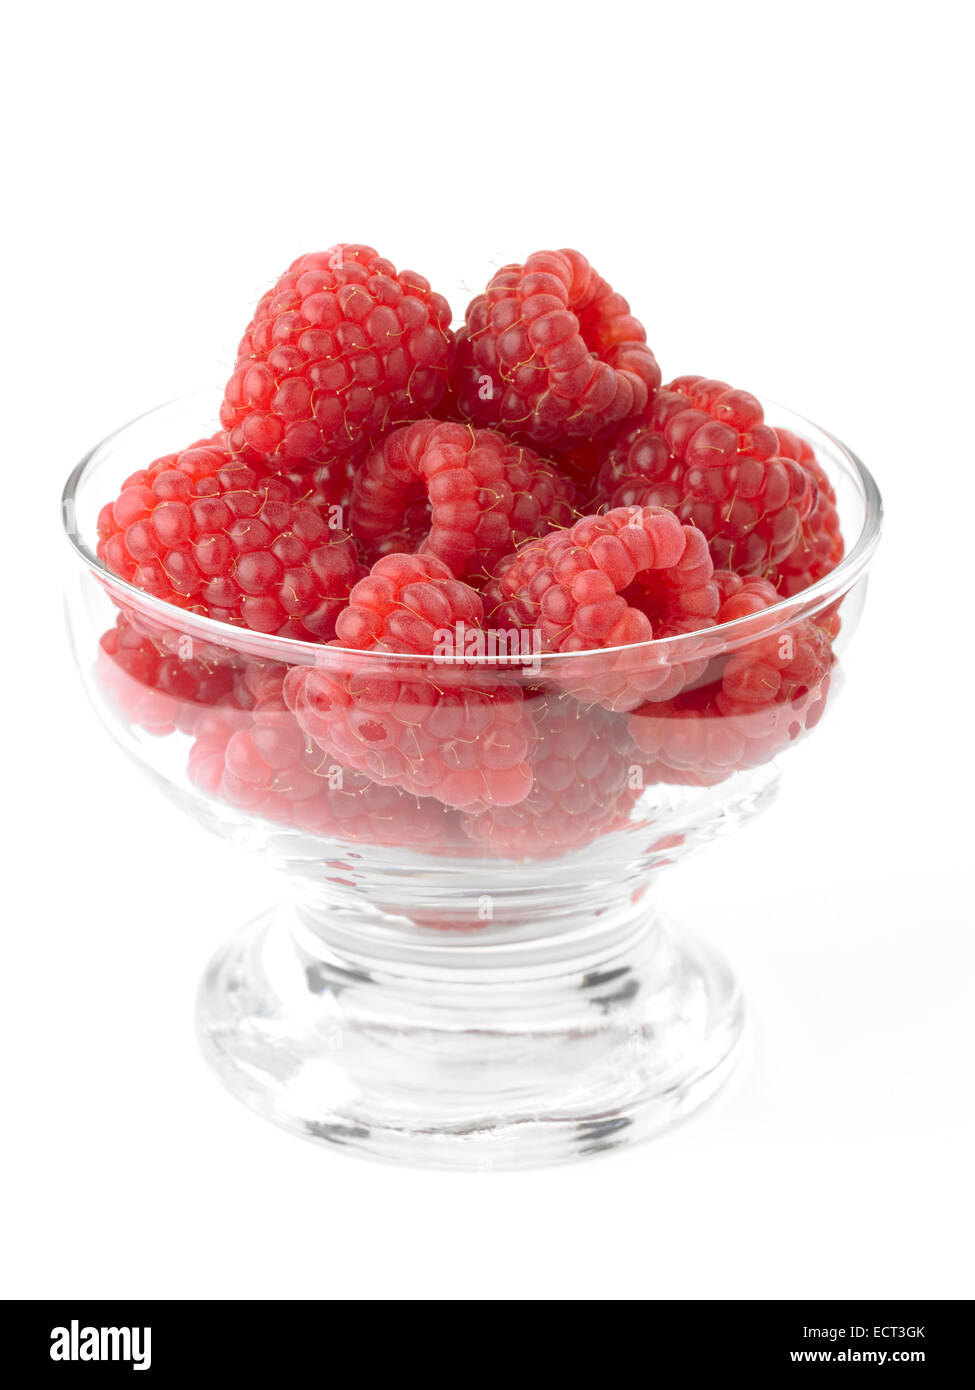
782, 193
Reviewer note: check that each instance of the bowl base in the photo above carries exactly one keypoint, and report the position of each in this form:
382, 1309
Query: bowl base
466, 1052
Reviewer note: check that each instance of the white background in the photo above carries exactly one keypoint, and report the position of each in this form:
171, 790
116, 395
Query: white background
784, 193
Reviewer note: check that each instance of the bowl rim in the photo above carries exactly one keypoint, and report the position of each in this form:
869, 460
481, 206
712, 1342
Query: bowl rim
807, 602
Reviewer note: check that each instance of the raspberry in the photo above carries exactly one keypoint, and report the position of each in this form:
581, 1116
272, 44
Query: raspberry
771, 689
683, 598
705, 451
161, 680
819, 548
774, 667
446, 732
404, 603
595, 586
338, 351
587, 780
263, 764
209, 533
157, 690
698, 743
569, 584
474, 493
550, 351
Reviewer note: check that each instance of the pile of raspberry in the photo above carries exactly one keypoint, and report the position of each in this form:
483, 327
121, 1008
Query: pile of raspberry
402, 499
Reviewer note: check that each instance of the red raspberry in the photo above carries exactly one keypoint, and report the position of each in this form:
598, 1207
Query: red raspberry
595, 586
705, 451
570, 584
819, 548
404, 603
683, 598
208, 533
263, 764
474, 493
550, 351
444, 732
698, 743
743, 596
162, 680
739, 596
156, 689
771, 690
338, 351
588, 777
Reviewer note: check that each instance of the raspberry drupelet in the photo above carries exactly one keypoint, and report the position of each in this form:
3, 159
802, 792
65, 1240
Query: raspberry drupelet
206, 532
339, 350
550, 352
705, 451
432, 730
466, 495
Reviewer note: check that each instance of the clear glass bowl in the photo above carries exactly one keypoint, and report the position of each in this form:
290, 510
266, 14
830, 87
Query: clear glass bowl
461, 986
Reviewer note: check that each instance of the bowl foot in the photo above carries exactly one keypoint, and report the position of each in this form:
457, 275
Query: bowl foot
464, 1051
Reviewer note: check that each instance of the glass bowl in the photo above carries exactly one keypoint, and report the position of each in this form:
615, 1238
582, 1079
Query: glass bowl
448, 982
